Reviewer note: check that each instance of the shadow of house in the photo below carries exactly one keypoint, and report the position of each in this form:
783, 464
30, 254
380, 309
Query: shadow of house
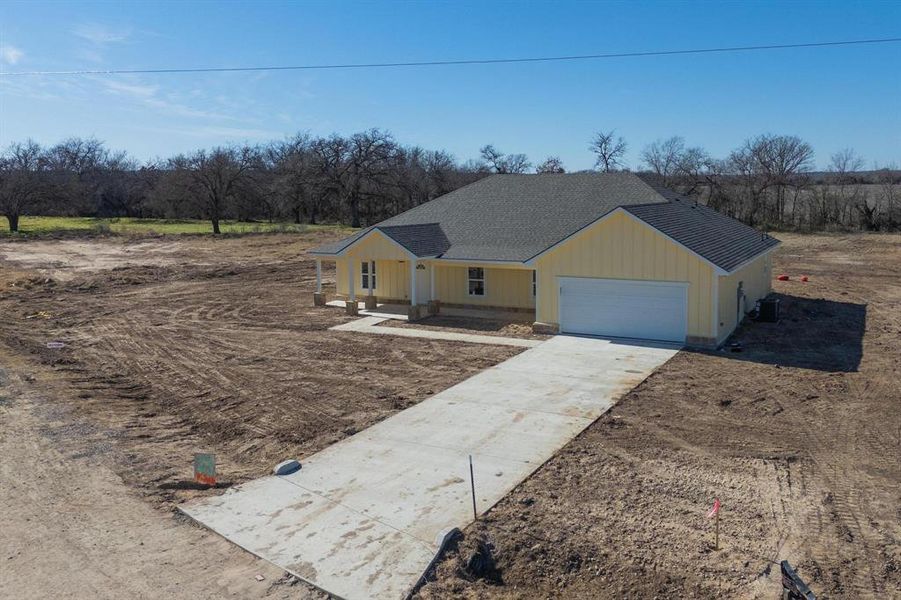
811, 334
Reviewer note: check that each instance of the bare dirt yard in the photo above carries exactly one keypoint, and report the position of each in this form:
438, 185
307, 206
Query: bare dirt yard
798, 435
175, 345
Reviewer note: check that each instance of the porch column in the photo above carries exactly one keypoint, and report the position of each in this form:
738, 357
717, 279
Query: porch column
432, 282
351, 304
351, 293
318, 275
318, 296
413, 283
434, 304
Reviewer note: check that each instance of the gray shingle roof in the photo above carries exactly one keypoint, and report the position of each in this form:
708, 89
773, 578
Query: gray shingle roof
425, 239
516, 217
722, 240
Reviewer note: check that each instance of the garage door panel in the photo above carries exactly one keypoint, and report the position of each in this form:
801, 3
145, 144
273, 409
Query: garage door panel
624, 308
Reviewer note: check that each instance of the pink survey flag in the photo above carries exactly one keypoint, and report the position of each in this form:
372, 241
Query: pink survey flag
715, 509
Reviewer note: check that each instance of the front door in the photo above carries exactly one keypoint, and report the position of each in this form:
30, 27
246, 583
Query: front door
423, 283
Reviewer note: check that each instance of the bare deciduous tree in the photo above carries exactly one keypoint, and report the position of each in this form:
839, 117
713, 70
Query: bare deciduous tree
21, 181
552, 164
368, 176
849, 191
662, 157
504, 163
215, 177
609, 149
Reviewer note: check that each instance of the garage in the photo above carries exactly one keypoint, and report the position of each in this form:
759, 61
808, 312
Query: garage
652, 310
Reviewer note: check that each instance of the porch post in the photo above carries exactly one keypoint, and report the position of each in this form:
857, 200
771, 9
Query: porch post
351, 304
413, 282
318, 275
434, 305
352, 294
318, 296
432, 282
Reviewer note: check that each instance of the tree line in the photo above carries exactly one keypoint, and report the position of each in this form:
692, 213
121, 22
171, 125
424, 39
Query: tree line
360, 179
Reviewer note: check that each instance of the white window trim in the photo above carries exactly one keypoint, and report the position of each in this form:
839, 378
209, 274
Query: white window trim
368, 275
484, 281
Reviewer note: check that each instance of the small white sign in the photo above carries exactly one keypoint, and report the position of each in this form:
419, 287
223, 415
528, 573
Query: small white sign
55, 345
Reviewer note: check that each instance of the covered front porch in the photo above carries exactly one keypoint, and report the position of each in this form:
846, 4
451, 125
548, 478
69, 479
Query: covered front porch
412, 288
375, 269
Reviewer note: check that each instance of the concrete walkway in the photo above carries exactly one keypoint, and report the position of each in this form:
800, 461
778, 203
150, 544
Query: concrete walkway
369, 325
364, 518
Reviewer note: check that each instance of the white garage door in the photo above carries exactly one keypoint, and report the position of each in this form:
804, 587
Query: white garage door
624, 308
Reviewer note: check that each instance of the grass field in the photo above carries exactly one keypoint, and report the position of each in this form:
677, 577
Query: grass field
126, 225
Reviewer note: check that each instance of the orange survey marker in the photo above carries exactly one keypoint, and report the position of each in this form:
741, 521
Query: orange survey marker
715, 512
205, 469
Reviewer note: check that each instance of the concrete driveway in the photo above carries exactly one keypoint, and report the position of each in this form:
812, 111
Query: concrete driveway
365, 517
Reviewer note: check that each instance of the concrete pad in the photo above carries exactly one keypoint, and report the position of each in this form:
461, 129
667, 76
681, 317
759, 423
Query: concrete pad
399, 311
368, 325
364, 517
386, 311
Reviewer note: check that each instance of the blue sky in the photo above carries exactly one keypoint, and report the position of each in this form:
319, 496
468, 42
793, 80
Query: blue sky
833, 97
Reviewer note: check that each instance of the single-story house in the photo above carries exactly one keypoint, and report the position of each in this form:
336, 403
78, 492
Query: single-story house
606, 254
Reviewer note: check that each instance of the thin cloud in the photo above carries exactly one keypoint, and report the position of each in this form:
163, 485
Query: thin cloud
10, 54
151, 97
223, 134
136, 90
102, 34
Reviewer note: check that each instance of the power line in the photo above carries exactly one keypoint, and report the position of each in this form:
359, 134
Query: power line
444, 63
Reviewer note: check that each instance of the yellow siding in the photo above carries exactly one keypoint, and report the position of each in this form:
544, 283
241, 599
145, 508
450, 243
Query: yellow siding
392, 279
391, 267
756, 278
503, 287
621, 247
377, 246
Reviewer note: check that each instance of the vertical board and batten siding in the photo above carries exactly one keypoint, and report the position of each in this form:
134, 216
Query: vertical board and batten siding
620, 247
391, 278
757, 279
503, 287
392, 268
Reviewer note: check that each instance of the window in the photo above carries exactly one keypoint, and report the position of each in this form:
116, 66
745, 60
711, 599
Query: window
534, 282
367, 275
476, 281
